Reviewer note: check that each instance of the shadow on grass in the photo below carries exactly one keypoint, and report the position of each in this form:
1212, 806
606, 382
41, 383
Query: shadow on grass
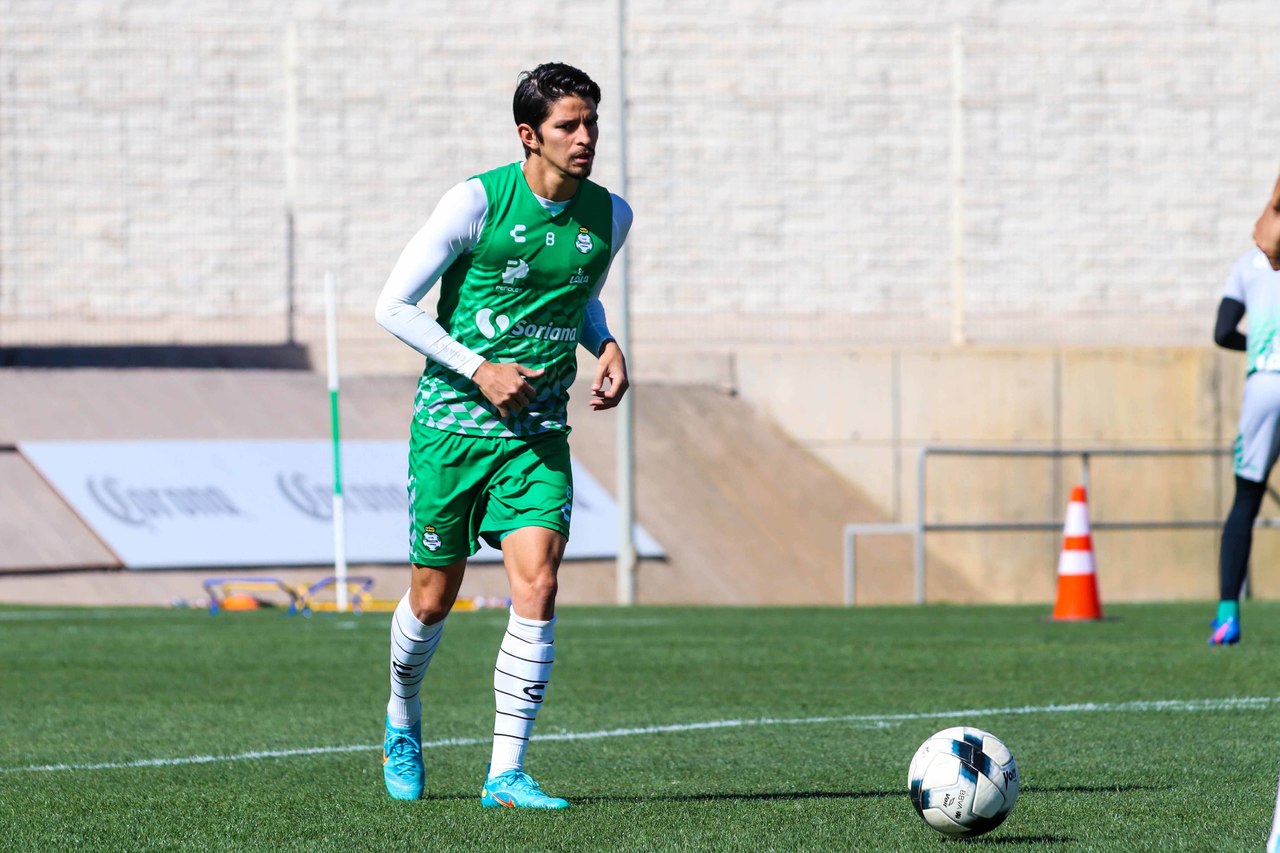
695, 798
1016, 839
445, 798
1092, 789
783, 796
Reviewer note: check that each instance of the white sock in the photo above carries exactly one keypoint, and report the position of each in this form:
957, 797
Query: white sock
519, 684
412, 645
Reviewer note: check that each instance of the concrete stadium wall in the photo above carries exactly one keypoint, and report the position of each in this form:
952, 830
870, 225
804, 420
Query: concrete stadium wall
868, 411
827, 193
803, 172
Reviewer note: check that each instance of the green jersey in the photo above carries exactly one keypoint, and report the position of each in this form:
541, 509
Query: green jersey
519, 296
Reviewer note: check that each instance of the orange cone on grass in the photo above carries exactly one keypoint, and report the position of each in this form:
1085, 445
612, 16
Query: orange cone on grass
1077, 572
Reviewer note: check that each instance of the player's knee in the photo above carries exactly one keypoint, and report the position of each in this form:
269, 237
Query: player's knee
429, 607
543, 587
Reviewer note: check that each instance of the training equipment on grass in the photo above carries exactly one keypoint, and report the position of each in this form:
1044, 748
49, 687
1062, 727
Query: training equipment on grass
247, 593
331, 594
1077, 572
359, 593
963, 781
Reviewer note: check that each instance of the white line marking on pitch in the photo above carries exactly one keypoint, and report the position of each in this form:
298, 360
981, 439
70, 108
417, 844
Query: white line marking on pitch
68, 615
871, 721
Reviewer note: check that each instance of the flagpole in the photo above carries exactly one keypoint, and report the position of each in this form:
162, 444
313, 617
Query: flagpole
339, 509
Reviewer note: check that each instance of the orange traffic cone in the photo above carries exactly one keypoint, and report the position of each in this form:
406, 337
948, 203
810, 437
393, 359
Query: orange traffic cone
1077, 573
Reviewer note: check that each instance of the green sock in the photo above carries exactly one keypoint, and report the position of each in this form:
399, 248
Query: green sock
1228, 609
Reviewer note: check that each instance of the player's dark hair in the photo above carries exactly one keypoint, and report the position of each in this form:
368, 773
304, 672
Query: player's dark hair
539, 89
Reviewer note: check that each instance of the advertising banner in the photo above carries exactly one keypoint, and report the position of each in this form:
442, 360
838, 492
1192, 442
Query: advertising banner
187, 504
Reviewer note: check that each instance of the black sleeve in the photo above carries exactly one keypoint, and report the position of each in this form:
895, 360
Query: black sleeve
1225, 333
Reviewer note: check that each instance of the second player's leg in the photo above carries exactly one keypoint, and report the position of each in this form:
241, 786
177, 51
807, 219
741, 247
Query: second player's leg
1233, 564
1257, 447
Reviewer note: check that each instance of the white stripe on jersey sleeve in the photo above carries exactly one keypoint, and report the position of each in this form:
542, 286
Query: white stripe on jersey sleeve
595, 326
452, 229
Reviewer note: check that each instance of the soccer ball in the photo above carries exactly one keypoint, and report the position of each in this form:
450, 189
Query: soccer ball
963, 781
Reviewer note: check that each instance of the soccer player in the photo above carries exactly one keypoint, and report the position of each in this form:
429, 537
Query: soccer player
521, 252
1252, 286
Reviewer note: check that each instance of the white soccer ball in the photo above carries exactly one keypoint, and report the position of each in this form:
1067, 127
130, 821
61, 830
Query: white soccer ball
963, 781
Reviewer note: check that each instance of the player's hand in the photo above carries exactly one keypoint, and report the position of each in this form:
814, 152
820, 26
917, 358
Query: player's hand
506, 385
611, 368
1266, 232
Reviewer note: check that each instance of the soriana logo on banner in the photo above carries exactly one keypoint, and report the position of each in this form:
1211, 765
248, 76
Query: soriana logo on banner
186, 504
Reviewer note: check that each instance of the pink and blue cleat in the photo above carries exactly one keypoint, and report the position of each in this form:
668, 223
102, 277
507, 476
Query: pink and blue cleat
1226, 632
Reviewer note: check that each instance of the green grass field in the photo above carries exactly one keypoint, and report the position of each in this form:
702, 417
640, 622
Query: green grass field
667, 728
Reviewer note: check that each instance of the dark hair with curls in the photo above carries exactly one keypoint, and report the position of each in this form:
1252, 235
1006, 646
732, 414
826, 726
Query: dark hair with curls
539, 89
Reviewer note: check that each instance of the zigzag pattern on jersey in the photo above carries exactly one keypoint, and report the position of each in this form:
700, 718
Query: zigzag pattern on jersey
441, 404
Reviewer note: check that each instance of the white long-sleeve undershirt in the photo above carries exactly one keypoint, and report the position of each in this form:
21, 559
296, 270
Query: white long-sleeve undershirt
453, 229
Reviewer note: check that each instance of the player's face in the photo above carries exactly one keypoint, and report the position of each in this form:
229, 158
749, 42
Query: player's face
567, 138
1266, 232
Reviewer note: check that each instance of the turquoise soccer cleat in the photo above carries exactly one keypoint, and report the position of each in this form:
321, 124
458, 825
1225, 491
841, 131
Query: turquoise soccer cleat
402, 767
1226, 632
516, 789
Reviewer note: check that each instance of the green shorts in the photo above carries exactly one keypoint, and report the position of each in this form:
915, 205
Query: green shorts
464, 488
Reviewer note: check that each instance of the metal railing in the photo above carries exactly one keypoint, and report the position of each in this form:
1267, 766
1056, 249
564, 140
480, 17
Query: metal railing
919, 528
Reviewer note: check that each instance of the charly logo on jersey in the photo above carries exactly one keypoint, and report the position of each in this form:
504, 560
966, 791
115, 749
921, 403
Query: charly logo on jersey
515, 271
583, 242
517, 233
491, 325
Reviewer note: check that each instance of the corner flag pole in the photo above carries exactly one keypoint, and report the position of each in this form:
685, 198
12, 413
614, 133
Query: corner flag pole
339, 513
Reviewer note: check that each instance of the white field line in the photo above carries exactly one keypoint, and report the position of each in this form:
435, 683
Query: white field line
72, 616
67, 615
873, 721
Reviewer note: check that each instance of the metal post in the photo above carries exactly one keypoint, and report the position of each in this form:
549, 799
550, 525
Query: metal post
957, 188
850, 566
919, 557
619, 279
290, 179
